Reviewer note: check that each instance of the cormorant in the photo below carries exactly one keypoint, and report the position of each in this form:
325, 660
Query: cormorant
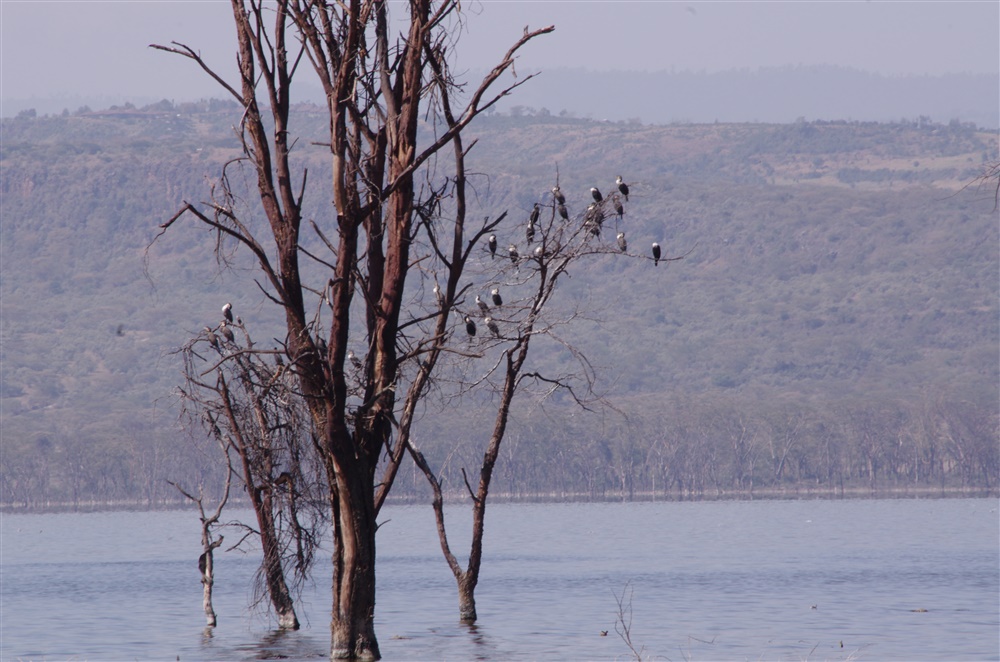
495, 293
538, 252
593, 219
597, 194
226, 332
492, 326
227, 312
562, 212
355, 361
530, 232
438, 295
482, 305
535, 211
493, 245
512, 250
618, 206
557, 194
213, 339
656, 253
622, 186
622, 244
470, 326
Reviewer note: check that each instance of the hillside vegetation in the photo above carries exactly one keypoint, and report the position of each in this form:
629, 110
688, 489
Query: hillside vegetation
834, 321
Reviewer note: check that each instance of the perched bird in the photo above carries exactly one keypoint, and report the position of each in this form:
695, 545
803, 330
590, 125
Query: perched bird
492, 243
656, 253
482, 305
227, 312
557, 194
622, 186
562, 212
593, 219
321, 346
597, 194
538, 252
618, 206
512, 251
355, 361
495, 293
535, 211
226, 332
530, 232
622, 244
470, 326
492, 326
213, 339
438, 295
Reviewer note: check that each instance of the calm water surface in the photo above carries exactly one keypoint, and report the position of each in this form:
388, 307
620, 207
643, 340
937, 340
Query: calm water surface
762, 580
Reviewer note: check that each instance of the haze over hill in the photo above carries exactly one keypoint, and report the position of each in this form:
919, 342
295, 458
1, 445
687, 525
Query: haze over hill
770, 95
839, 276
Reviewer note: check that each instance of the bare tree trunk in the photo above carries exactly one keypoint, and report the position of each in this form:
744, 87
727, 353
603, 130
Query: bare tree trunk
206, 562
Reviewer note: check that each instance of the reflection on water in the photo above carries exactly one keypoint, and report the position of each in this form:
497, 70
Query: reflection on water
829, 580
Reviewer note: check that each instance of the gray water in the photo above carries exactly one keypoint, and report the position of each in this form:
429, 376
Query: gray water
762, 580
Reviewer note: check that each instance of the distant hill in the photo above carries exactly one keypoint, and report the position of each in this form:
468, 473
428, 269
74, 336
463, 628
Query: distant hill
769, 94
830, 266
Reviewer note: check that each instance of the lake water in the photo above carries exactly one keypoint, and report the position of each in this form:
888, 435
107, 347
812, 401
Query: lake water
729, 580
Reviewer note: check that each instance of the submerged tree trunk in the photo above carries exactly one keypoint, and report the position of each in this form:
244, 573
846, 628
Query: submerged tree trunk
274, 571
206, 565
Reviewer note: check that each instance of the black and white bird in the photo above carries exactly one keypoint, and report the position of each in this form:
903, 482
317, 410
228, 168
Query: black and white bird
355, 361
656, 253
593, 219
529, 232
596, 193
492, 243
438, 295
495, 293
563, 213
622, 186
492, 326
559, 197
539, 252
227, 311
482, 305
533, 218
622, 244
618, 206
512, 251
226, 332
470, 326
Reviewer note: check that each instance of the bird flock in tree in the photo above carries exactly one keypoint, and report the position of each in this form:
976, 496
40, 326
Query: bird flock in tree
593, 222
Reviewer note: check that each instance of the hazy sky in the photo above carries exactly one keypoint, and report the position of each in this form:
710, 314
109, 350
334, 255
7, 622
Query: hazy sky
77, 48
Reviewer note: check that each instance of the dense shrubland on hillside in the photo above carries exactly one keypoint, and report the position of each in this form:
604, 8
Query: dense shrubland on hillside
833, 324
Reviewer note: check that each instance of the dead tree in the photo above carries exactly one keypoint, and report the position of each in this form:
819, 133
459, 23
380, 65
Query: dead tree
530, 280
246, 400
378, 86
209, 543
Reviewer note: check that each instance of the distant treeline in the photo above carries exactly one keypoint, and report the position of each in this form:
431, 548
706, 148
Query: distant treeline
696, 447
